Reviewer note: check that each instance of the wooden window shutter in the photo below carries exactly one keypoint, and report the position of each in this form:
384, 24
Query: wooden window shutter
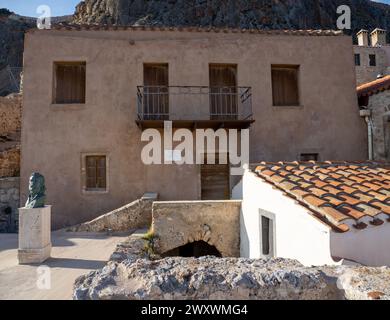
285, 91
96, 172
70, 82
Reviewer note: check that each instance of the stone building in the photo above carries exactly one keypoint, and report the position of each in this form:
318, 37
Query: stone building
374, 101
100, 87
372, 55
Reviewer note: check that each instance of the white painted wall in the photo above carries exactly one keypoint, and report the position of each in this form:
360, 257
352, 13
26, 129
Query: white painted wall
237, 191
370, 246
297, 234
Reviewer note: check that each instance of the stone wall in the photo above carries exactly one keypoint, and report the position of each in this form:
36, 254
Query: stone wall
180, 222
9, 204
10, 114
365, 73
10, 162
379, 104
135, 215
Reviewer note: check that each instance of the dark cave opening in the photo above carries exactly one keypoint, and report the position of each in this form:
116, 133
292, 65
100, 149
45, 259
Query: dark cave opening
194, 249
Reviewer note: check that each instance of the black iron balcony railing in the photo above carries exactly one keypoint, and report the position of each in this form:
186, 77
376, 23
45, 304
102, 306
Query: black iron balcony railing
194, 103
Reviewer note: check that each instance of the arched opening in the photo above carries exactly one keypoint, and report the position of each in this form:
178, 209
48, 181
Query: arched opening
194, 249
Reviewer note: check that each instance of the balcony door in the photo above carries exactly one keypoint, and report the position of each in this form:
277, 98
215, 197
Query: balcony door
223, 92
156, 92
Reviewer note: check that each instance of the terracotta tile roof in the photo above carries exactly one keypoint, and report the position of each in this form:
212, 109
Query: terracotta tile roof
344, 195
373, 87
99, 27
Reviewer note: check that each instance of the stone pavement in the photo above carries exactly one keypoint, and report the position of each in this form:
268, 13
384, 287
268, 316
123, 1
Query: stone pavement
73, 254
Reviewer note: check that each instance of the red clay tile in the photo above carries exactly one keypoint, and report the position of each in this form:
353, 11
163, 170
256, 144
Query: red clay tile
332, 214
384, 207
348, 210
332, 190
336, 191
313, 201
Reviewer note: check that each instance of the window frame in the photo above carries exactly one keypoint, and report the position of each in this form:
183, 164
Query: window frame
358, 61
374, 60
272, 234
84, 187
295, 67
56, 63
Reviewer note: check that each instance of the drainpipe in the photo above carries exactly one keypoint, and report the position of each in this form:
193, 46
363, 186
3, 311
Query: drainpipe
366, 113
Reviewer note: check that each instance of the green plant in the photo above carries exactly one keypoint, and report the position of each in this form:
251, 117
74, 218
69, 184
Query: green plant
149, 237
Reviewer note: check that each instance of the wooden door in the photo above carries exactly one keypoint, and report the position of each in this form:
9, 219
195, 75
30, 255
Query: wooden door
215, 181
156, 98
223, 91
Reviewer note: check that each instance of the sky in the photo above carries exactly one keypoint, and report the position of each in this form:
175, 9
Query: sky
29, 7
58, 7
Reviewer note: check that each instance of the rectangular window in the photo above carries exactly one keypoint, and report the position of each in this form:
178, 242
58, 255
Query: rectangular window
96, 173
266, 232
69, 82
285, 90
357, 59
372, 58
309, 157
156, 94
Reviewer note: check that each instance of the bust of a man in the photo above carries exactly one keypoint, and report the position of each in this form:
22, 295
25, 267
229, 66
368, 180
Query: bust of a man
36, 188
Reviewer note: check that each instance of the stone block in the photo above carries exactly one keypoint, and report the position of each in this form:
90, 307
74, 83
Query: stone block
34, 235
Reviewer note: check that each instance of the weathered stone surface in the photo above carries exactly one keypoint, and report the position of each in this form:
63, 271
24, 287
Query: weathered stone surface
11, 113
9, 204
217, 223
34, 235
132, 275
229, 278
135, 215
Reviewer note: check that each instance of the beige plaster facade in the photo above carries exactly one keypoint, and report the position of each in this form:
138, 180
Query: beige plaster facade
55, 138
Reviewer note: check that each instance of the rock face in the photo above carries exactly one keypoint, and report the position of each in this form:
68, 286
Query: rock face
273, 14
132, 275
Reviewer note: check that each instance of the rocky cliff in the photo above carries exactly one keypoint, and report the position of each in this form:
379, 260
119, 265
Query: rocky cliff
271, 14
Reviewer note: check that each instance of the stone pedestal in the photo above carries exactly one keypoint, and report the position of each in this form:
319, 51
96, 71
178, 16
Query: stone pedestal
34, 235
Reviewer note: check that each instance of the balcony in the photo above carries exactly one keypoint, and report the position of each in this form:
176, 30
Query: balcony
194, 107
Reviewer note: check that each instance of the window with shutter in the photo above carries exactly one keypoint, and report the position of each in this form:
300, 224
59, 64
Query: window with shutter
96, 172
69, 82
285, 91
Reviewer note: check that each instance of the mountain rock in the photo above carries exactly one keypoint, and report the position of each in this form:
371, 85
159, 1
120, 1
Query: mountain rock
265, 14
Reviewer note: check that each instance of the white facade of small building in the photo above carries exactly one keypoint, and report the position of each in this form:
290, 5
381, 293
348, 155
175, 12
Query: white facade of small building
299, 235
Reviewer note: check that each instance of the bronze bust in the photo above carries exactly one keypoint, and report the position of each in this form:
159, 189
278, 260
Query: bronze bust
36, 188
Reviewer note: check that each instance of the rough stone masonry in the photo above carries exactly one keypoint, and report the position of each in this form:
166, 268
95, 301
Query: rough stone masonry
132, 274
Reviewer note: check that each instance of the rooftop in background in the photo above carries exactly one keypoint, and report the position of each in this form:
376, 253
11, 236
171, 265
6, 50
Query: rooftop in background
374, 87
98, 27
344, 195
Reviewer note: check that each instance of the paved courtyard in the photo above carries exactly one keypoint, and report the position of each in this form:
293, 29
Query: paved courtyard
72, 255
